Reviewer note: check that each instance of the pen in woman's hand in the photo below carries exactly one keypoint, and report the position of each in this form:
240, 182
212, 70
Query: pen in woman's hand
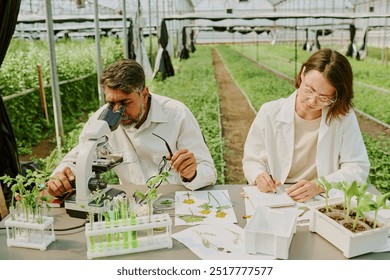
270, 175
272, 178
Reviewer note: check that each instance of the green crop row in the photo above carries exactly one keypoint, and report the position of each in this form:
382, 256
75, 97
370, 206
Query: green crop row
281, 57
260, 86
19, 72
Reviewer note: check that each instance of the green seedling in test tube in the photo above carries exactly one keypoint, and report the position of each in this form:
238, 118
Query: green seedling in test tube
133, 222
108, 217
125, 234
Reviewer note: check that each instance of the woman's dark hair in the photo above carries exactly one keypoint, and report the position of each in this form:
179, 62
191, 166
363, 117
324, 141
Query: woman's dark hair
336, 68
126, 75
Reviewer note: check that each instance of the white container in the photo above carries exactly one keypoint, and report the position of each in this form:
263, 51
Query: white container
270, 231
30, 234
121, 237
351, 244
384, 214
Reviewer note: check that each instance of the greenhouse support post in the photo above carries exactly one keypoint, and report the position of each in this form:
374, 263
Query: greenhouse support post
125, 39
54, 78
98, 53
150, 35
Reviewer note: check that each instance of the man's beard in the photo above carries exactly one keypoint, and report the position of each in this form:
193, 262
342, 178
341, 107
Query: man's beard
133, 122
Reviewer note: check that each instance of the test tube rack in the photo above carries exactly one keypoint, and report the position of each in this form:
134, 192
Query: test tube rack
30, 234
122, 237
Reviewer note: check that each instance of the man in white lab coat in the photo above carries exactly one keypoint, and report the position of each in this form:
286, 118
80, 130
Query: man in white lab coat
155, 133
312, 133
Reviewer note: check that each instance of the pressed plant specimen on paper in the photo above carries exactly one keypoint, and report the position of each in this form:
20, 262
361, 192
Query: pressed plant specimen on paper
191, 218
189, 200
212, 206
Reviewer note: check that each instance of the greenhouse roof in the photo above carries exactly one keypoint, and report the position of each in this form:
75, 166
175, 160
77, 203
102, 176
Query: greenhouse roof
275, 2
273, 16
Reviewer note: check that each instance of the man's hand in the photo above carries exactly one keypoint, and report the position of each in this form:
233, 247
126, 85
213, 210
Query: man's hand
304, 190
266, 183
61, 182
184, 162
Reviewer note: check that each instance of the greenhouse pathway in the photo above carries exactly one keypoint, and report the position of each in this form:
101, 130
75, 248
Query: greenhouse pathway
236, 117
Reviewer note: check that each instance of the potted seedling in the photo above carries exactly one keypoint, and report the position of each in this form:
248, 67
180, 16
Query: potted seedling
356, 233
327, 186
368, 203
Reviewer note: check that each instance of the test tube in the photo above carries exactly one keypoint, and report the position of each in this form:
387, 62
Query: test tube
116, 221
133, 222
91, 238
149, 203
108, 216
124, 214
100, 226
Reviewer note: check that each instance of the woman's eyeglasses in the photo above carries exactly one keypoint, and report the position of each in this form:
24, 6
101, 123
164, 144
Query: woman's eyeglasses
321, 100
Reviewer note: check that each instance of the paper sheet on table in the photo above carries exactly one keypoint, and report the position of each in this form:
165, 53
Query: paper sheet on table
254, 198
189, 203
258, 198
216, 242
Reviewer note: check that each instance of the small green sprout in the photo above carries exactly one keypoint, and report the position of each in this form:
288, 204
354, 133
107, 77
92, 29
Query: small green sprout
367, 203
327, 187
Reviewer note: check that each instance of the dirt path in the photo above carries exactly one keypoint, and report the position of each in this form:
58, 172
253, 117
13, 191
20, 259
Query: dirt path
236, 118
372, 128
42, 150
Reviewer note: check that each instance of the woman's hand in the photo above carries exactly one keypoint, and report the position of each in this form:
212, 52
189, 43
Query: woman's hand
304, 190
266, 183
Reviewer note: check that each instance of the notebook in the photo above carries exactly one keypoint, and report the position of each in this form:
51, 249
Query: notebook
258, 198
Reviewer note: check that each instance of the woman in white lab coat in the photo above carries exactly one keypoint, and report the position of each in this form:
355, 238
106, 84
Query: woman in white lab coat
312, 133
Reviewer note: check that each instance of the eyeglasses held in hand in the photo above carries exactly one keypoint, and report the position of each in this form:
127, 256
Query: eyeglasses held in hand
162, 164
166, 144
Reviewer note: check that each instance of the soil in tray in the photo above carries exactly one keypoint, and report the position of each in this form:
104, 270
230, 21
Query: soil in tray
336, 212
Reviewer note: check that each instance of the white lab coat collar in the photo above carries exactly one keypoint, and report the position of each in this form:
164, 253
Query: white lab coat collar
286, 113
156, 114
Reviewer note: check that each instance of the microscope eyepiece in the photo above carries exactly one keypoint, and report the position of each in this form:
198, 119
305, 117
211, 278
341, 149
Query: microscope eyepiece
112, 118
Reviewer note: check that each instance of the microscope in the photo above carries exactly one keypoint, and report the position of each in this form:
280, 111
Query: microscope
91, 190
